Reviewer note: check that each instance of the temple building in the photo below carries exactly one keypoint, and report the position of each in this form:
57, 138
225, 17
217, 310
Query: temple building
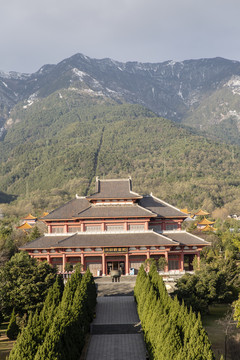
116, 228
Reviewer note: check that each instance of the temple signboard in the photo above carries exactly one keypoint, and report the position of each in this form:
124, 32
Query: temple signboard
115, 250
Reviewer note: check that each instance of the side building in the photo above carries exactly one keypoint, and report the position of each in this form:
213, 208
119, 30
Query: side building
116, 228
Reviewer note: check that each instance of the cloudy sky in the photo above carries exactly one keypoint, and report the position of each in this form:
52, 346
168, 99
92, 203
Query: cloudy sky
38, 32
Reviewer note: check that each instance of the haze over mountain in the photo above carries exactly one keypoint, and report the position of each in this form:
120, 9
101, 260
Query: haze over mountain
202, 93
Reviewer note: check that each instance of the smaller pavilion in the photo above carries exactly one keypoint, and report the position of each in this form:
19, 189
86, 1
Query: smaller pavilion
201, 225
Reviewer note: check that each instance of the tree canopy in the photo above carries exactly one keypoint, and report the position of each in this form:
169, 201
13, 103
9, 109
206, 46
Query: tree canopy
215, 282
24, 283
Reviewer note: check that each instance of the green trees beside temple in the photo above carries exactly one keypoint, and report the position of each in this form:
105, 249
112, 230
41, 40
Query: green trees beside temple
215, 282
59, 330
24, 284
171, 331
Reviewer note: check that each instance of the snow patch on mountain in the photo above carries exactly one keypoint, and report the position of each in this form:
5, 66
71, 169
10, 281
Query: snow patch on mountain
32, 98
14, 75
234, 84
79, 73
4, 84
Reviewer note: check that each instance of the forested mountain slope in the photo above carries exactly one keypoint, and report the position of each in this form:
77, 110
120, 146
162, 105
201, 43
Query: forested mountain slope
188, 92
62, 142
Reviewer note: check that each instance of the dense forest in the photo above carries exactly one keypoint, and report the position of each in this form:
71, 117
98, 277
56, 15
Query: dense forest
57, 146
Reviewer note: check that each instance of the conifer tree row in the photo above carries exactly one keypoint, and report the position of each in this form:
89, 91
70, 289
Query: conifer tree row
58, 331
171, 331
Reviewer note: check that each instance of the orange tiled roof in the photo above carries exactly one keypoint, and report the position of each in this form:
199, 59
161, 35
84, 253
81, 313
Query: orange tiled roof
29, 217
206, 222
201, 213
185, 211
209, 228
25, 226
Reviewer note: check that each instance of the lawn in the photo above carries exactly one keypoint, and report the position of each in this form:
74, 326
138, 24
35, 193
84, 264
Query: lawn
5, 344
216, 331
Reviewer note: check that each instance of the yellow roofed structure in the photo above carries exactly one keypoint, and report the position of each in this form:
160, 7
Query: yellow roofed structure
202, 213
209, 228
185, 211
25, 226
206, 222
44, 214
30, 217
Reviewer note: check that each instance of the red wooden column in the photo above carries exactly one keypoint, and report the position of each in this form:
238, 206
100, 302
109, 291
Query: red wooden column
198, 258
64, 261
166, 257
182, 261
103, 265
82, 261
127, 264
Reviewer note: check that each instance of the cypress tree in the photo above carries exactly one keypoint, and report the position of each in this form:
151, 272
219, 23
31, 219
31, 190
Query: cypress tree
27, 342
151, 309
66, 335
171, 331
170, 344
199, 346
13, 329
140, 277
38, 324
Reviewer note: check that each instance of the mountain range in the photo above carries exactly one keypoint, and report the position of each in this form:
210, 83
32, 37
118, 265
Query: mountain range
172, 126
203, 93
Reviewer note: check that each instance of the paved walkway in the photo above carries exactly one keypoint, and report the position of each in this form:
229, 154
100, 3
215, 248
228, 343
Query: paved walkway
106, 287
115, 330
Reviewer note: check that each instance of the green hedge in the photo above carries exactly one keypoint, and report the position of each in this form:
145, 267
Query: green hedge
171, 331
58, 331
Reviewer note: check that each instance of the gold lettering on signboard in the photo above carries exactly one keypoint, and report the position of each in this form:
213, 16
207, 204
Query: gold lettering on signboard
115, 250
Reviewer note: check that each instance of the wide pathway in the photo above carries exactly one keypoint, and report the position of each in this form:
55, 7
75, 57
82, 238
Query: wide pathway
115, 332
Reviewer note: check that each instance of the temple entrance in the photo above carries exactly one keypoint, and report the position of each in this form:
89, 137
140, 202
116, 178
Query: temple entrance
188, 260
116, 265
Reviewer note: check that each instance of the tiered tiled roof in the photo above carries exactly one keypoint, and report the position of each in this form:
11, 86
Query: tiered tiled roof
86, 240
160, 207
114, 211
114, 189
185, 238
68, 210
145, 206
